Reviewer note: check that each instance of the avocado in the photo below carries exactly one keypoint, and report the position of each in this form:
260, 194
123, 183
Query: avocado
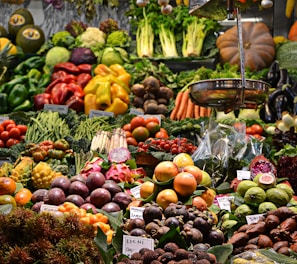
18, 19
3, 32
30, 38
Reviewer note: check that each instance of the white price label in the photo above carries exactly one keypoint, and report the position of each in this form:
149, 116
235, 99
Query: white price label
134, 111
252, 219
136, 212
62, 109
48, 208
136, 191
94, 113
3, 118
243, 175
132, 244
224, 203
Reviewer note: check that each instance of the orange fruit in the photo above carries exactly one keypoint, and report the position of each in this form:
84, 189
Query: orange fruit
140, 133
131, 141
137, 121
153, 127
166, 197
182, 160
23, 196
184, 183
165, 170
147, 189
199, 203
208, 196
195, 171
7, 185
152, 119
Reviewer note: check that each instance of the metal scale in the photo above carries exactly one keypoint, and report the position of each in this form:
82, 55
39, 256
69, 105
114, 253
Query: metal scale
227, 94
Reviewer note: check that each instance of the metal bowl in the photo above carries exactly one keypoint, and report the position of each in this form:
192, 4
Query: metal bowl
227, 93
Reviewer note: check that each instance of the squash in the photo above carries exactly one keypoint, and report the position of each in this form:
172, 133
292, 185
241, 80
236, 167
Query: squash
292, 35
258, 46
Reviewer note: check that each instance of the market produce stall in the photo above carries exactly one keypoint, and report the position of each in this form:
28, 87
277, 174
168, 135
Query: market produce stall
107, 137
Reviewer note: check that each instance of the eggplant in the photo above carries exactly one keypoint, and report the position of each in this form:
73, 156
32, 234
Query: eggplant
280, 105
284, 79
266, 114
273, 74
291, 96
272, 97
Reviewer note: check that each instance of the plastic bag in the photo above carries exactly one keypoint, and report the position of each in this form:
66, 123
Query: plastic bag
251, 257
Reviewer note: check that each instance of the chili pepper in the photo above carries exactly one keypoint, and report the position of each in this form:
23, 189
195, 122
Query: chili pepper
90, 103
25, 106
83, 79
103, 96
44, 80
85, 68
94, 84
41, 99
69, 67
103, 70
3, 103
61, 144
76, 103
118, 91
118, 107
17, 96
122, 74
58, 74
66, 79
56, 153
7, 87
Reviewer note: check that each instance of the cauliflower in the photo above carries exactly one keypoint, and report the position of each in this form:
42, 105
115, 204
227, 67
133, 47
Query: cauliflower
91, 38
119, 38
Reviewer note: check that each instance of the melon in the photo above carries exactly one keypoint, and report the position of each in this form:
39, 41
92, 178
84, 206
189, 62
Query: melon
18, 19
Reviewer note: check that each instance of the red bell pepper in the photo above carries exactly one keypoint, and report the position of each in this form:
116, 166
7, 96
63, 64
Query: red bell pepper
85, 68
69, 67
76, 89
58, 74
83, 79
61, 93
67, 79
41, 99
76, 103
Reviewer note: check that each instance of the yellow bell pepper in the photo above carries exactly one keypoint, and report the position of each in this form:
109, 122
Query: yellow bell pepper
118, 107
114, 79
94, 84
103, 96
103, 70
122, 74
90, 103
118, 91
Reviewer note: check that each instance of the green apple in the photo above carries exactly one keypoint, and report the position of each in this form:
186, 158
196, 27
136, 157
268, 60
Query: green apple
206, 179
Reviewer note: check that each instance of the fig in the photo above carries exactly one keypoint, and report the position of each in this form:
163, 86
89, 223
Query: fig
95, 180
123, 199
78, 177
99, 197
56, 196
39, 195
89, 207
111, 207
75, 198
61, 182
112, 187
78, 187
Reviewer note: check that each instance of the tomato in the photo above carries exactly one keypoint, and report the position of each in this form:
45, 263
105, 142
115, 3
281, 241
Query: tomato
152, 119
7, 122
249, 131
258, 129
11, 141
10, 126
4, 135
127, 127
2, 144
1, 128
22, 128
131, 141
136, 122
14, 133
161, 134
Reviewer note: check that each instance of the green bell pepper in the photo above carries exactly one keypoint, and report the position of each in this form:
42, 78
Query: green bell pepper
44, 81
18, 95
7, 87
3, 103
30, 63
34, 76
25, 106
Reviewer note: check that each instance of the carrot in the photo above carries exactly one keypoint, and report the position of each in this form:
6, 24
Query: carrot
196, 111
202, 111
182, 105
184, 113
177, 103
190, 109
209, 110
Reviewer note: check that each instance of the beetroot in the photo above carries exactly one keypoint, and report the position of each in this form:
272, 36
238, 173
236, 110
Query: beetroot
119, 155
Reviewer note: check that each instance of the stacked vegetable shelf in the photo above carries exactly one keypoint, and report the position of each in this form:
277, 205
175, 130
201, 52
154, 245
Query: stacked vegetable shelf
106, 158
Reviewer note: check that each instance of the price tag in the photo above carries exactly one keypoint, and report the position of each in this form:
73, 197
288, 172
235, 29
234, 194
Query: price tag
147, 116
48, 208
243, 175
62, 109
136, 212
252, 219
136, 191
132, 244
3, 118
94, 113
134, 111
224, 203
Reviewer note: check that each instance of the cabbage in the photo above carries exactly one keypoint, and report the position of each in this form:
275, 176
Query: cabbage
114, 56
56, 55
82, 55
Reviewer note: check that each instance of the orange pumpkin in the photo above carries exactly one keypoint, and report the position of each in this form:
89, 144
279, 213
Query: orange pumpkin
258, 46
292, 35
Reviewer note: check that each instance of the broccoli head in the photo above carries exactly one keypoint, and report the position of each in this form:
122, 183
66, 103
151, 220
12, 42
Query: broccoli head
119, 38
109, 25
